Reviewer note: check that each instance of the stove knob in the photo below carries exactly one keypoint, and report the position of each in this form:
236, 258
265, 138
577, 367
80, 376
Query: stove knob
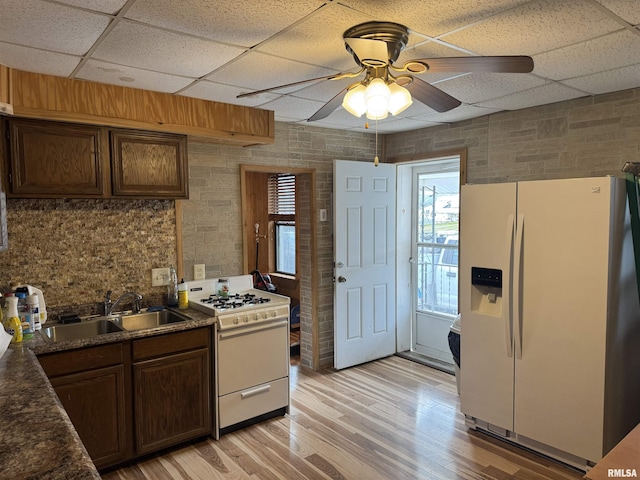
235, 320
255, 316
273, 314
245, 319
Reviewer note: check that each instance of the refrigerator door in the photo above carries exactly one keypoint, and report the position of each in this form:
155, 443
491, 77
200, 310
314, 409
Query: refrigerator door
487, 227
559, 379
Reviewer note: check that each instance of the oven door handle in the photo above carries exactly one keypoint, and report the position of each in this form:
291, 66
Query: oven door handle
235, 332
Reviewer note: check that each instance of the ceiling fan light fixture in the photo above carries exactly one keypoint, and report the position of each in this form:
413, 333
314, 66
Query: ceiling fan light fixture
354, 102
399, 99
377, 97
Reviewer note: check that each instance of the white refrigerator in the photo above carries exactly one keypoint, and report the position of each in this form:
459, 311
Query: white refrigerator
550, 328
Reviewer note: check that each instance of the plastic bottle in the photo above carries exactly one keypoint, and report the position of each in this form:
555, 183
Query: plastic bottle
12, 323
33, 310
172, 288
27, 331
183, 295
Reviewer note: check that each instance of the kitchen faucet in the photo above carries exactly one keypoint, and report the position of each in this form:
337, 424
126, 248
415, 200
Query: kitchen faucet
109, 305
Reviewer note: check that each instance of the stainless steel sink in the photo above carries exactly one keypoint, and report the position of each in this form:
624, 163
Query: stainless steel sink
139, 321
75, 331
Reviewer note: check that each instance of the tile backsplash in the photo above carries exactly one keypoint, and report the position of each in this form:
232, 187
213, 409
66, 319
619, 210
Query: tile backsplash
75, 250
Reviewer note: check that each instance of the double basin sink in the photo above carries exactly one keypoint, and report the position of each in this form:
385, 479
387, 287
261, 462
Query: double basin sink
111, 324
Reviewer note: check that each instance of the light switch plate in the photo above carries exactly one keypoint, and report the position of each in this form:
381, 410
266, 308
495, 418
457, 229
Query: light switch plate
159, 277
198, 271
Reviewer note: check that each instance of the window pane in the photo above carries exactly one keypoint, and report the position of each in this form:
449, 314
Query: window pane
437, 242
286, 247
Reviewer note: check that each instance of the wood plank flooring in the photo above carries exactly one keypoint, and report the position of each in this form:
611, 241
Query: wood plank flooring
390, 419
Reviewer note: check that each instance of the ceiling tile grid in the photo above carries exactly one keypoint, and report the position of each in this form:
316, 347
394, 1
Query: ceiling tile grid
218, 50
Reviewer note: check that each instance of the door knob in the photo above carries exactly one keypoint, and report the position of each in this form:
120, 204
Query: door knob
341, 279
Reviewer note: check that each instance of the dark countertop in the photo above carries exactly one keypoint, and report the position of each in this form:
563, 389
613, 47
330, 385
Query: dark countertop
37, 439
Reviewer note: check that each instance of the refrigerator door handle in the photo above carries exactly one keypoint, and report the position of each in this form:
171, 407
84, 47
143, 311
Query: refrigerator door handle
517, 283
507, 289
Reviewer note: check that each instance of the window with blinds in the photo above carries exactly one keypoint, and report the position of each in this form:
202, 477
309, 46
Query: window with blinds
282, 194
282, 210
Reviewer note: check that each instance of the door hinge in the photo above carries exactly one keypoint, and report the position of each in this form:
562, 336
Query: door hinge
10, 179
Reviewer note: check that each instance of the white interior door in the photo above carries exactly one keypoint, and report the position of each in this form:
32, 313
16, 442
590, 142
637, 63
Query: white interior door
364, 248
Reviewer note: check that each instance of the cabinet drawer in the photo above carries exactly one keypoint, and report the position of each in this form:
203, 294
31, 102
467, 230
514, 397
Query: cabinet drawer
83, 359
253, 401
170, 343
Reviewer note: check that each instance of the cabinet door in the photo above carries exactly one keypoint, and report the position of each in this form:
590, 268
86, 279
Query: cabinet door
53, 159
171, 401
94, 401
149, 164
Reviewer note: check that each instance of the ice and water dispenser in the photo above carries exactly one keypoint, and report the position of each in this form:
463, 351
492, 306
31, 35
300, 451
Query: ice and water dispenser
486, 291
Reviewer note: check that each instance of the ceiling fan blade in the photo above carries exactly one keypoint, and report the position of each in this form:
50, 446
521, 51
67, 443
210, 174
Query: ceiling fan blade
293, 84
506, 64
369, 52
328, 108
431, 96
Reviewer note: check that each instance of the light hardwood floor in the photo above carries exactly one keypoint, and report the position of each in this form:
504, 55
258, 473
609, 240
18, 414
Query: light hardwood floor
390, 419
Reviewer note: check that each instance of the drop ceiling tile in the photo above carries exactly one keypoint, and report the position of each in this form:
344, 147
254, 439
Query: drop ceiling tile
292, 107
318, 38
610, 81
112, 74
105, 6
626, 9
137, 45
535, 27
616, 50
228, 21
256, 71
36, 60
218, 92
433, 17
463, 112
550, 93
50, 26
479, 87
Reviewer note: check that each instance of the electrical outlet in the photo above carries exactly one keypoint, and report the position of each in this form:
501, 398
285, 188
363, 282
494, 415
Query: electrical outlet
159, 277
198, 271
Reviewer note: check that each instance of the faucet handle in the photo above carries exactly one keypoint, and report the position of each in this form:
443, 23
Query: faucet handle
107, 296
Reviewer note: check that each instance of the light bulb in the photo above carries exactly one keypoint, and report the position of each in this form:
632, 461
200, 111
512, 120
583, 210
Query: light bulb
399, 100
377, 98
353, 102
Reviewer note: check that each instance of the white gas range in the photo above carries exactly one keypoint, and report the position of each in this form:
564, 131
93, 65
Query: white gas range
242, 306
251, 351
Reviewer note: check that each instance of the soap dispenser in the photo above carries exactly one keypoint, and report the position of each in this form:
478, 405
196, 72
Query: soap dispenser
172, 288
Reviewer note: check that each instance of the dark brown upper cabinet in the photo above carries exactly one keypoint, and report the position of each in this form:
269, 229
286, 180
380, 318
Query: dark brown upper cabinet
149, 164
51, 159
66, 160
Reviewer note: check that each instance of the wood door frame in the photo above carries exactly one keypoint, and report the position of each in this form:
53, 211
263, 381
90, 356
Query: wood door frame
309, 302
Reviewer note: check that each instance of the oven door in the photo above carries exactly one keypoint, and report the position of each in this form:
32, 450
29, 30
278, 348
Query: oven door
253, 355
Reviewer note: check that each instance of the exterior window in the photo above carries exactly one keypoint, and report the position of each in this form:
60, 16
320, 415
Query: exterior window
282, 212
437, 241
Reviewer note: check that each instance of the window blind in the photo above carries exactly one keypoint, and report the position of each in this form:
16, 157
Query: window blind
282, 194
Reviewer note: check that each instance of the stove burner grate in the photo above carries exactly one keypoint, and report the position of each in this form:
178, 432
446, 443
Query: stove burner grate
234, 301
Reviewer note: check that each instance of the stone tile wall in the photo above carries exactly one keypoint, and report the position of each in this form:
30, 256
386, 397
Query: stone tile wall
212, 217
589, 136
74, 250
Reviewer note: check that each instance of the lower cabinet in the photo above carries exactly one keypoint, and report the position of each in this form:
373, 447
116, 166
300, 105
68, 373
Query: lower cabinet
132, 398
91, 384
171, 389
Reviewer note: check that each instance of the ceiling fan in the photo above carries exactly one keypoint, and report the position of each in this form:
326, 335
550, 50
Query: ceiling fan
389, 88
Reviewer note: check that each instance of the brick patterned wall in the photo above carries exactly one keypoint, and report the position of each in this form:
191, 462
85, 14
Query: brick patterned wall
212, 217
590, 136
